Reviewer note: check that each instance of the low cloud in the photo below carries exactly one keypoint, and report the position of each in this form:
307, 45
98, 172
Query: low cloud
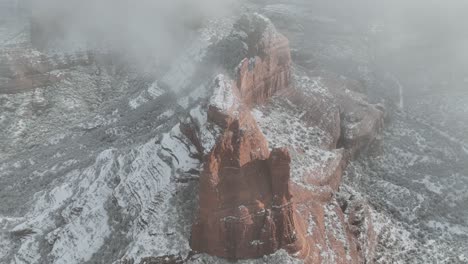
138, 26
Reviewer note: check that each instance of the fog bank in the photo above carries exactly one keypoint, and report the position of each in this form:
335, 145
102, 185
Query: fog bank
137, 26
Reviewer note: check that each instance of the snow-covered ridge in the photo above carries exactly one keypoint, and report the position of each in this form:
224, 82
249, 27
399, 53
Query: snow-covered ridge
139, 180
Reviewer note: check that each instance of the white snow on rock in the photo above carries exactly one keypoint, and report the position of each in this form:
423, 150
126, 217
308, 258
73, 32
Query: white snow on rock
82, 235
207, 134
223, 97
144, 191
282, 125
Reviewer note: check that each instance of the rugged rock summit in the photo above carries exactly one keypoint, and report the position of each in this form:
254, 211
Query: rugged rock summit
246, 209
267, 69
251, 204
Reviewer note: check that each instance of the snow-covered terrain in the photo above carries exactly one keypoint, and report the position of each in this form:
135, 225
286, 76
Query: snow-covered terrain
94, 168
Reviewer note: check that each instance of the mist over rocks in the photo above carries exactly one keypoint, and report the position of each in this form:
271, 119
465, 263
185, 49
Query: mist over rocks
141, 28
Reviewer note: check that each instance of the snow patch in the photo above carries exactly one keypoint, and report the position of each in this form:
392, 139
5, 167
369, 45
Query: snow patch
223, 97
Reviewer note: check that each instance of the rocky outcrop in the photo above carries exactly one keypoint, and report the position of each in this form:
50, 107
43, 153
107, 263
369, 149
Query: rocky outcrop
257, 57
251, 204
362, 123
246, 208
267, 69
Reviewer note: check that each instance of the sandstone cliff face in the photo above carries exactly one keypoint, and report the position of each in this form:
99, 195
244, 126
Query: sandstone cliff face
267, 69
257, 57
245, 199
254, 201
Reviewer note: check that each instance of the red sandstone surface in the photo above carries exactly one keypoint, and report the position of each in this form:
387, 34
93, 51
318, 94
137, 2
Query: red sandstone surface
249, 206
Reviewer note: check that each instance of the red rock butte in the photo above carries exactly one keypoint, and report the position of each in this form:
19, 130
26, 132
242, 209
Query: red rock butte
245, 198
249, 206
